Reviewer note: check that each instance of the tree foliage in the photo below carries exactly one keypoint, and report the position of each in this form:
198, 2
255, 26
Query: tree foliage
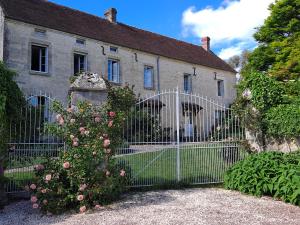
272, 75
239, 61
278, 52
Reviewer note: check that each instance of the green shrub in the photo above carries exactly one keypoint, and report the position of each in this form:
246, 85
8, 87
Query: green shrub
283, 121
85, 175
269, 173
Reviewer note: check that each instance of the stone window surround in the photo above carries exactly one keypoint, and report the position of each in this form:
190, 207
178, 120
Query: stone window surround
153, 77
41, 43
224, 89
191, 82
80, 52
109, 57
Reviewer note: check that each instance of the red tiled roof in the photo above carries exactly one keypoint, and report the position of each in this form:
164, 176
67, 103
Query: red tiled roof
50, 15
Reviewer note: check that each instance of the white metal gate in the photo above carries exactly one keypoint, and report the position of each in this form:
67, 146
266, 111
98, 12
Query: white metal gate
169, 137
174, 136
29, 142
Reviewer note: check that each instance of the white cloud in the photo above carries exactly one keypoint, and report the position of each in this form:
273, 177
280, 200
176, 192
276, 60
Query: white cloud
233, 21
226, 53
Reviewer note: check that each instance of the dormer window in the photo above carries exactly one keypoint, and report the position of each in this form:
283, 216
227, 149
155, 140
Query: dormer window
113, 49
80, 41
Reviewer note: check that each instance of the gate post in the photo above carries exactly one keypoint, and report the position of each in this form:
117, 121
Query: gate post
178, 136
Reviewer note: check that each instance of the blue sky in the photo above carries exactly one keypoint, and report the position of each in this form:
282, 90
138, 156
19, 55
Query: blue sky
229, 23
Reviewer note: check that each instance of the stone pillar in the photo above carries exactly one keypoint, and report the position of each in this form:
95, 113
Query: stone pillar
88, 87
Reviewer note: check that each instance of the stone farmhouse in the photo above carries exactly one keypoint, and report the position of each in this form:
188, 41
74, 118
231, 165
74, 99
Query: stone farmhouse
46, 44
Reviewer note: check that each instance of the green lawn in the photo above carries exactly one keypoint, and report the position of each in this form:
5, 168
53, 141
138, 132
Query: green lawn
198, 164
18, 180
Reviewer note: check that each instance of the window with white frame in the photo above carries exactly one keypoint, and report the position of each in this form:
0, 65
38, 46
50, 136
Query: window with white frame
148, 77
79, 63
39, 58
220, 84
187, 83
114, 70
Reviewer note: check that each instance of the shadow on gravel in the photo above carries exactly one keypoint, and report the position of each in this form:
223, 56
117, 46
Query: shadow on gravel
138, 199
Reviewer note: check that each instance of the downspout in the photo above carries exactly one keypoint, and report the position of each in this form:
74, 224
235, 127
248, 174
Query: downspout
158, 77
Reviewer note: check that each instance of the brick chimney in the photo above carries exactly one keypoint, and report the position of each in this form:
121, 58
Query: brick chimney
111, 15
206, 43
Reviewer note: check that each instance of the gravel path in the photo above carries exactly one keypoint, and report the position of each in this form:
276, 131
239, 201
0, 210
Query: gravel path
191, 206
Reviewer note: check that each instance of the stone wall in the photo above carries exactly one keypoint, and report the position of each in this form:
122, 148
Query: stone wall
272, 144
19, 37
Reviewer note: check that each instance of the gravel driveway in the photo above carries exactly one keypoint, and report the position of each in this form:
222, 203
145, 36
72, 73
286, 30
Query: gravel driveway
190, 206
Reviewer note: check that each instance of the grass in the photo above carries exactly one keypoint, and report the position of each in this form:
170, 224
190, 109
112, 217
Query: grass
199, 164
18, 180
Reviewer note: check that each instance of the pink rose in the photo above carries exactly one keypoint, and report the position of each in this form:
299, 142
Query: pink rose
122, 173
82, 209
69, 110
110, 123
97, 119
44, 191
61, 122
81, 129
33, 199
82, 187
72, 121
75, 139
45, 201
58, 117
66, 165
39, 167
33, 186
35, 205
107, 173
75, 144
80, 197
106, 143
48, 177
112, 114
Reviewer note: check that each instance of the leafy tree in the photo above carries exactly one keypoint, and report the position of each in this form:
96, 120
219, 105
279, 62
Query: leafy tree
278, 52
270, 87
239, 61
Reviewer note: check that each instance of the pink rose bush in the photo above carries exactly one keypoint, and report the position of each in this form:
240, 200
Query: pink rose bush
85, 175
